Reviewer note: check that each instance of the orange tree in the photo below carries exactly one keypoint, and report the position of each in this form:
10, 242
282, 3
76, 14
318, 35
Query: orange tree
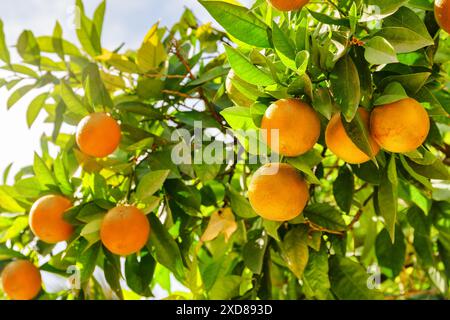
357, 92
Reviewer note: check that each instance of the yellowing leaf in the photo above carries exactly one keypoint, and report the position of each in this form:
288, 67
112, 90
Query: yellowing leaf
119, 61
152, 52
112, 82
221, 221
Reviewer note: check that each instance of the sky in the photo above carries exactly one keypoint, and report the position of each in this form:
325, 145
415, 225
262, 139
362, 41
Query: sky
125, 21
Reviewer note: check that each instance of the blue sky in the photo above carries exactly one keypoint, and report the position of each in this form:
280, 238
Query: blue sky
125, 21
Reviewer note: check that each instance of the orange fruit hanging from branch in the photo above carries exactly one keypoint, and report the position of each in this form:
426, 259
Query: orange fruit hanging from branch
124, 230
277, 192
401, 126
98, 135
46, 219
21, 280
297, 126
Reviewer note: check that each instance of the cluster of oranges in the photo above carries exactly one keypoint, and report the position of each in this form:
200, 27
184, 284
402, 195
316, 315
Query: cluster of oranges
277, 192
124, 229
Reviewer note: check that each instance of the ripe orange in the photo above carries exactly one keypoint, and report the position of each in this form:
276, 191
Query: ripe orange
124, 230
288, 5
298, 125
98, 135
21, 280
46, 219
340, 143
401, 126
442, 14
277, 192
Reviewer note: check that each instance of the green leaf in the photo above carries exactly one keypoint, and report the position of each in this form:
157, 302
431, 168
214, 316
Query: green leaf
391, 255
284, 47
57, 41
42, 172
28, 48
206, 172
246, 70
94, 88
294, 249
329, 20
411, 82
152, 52
6, 253
325, 216
99, 16
387, 197
393, 92
254, 250
18, 68
141, 109
4, 52
19, 224
239, 118
349, 280
343, 189
87, 261
47, 44
61, 176
73, 101
112, 271
422, 241
437, 170
357, 131
18, 94
271, 228
406, 31
239, 22
379, 51
305, 163
424, 181
35, 107
139, 273
225, 288
87, 33
315, 278
322, 102
8, 203
150, 183
166, 249
345, 85
240, 205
